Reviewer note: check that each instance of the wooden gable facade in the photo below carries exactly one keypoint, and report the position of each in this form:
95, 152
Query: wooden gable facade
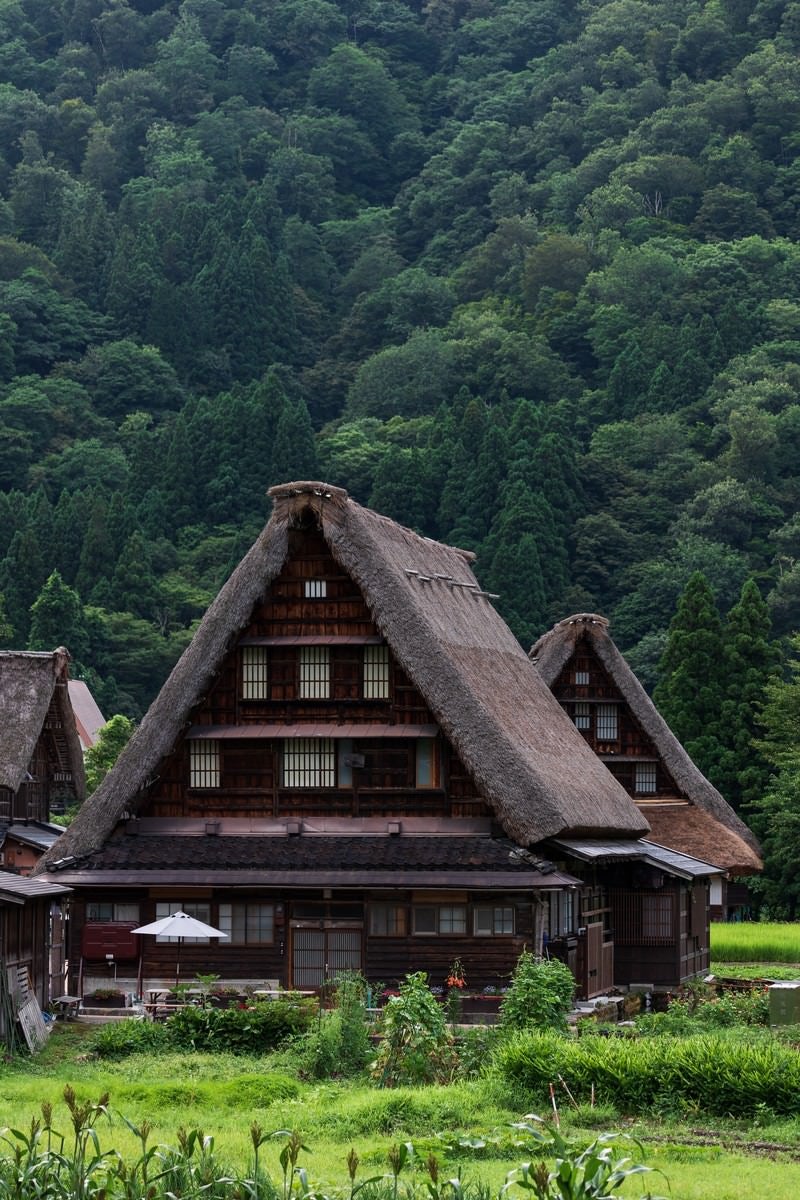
41, 763
353, 766
660, 917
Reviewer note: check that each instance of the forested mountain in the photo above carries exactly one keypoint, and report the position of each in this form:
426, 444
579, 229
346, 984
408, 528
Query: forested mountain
520, 274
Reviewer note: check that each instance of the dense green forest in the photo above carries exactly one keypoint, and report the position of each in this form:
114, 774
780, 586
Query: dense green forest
522, 274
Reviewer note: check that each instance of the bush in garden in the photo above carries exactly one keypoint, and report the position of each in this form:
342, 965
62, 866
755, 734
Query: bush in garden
119, 1039
692, 1015
417, 1046
540, 994
719, 1076
340, 1045
252, 1030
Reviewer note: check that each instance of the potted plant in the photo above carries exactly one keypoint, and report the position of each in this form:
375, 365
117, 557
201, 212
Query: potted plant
107, 997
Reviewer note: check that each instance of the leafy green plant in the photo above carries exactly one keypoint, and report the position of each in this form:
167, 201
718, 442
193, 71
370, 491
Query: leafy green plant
593, 1173
119, 1039
417, 1046
540, 994
251, 1030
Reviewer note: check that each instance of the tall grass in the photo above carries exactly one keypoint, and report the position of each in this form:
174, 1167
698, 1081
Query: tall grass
756, 941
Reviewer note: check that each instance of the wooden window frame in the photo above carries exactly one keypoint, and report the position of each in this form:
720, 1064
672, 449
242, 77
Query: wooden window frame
499, 916
387, 919
244, 922
650, 770
205, 764
314, 673
308, 763
200, 909
375, 674
255, 673
440, 920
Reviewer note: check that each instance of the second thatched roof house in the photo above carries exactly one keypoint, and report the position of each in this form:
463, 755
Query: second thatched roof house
588, 675
354, 765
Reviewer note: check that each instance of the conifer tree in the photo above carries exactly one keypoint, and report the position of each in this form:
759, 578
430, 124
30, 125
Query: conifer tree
691, 686
749, 663
57, 619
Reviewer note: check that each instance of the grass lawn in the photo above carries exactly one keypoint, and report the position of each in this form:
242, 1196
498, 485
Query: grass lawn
223, 1094
756, 942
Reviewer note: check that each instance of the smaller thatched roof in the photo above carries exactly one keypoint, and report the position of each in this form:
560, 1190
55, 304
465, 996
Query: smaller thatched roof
29, 682
521, 749
712, 831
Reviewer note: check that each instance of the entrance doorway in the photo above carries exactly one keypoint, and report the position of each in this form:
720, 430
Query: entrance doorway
322, 953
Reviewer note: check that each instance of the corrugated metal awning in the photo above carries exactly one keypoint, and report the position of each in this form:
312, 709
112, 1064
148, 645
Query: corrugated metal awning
16, 889
639, 850
312, 729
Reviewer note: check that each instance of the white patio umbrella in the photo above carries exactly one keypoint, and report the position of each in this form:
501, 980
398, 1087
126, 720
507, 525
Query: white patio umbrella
180, 925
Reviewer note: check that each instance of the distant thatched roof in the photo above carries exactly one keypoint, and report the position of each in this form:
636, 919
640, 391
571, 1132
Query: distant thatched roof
29, 681
733, 846
522, 750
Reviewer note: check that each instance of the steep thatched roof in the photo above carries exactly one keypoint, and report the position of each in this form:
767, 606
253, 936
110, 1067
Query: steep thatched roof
522, 750
718, 832
29, 681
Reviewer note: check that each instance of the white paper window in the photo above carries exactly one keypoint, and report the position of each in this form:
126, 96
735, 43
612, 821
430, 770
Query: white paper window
316, 589
255, 683
248, 924
491, 921
204, 766
376, 672
425, 763
193, 908
645, 777
582, 716
315, 673
582, 678
309, 763
606, 728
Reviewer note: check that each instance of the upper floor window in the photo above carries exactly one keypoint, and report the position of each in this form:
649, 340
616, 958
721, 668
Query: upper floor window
376, 673
644, 779
315, 673
582, 716
204, 764
582, 678
606, 723
315, 589
309, 763
255, 676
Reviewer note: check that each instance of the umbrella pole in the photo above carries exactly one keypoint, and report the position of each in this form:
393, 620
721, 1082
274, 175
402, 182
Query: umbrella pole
178, 963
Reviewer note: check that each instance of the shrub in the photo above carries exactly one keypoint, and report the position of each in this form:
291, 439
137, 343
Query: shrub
119, 1039
540, 994
417, 1046
721, 1077
340, 1045
697, 1013
253, 1030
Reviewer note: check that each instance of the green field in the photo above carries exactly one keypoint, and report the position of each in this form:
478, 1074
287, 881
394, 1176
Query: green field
222, 1094
756, 942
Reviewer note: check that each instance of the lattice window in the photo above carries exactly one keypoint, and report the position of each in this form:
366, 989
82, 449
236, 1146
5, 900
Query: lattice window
582, 716
581, 678
376, 672
388, 920
645, 777
204, 764
309, 763
606, 723
248, 924
192, 908
657, 918
644, 918
494, 921
315, 589
255, 681
315, 673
